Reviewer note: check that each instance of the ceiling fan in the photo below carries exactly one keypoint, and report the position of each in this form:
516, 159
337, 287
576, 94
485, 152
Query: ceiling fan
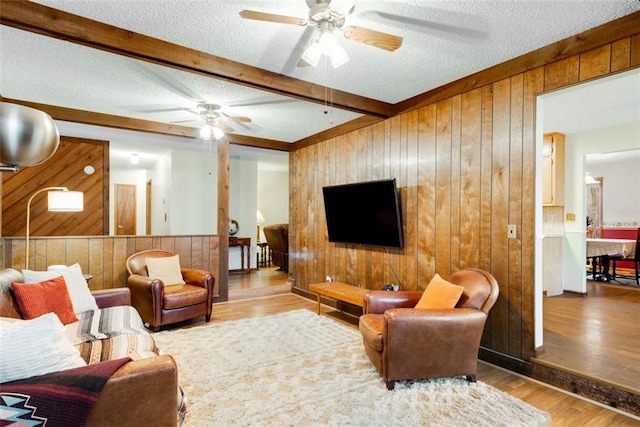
327, 17
214, 120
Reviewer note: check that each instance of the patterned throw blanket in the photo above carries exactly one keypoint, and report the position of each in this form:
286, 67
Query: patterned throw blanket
62, 398
111, 333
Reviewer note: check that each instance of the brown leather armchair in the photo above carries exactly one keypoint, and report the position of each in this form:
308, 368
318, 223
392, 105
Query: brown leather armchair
278, 240
406, 343
162, 305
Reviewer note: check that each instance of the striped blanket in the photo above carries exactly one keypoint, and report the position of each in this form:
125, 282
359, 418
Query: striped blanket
111, 333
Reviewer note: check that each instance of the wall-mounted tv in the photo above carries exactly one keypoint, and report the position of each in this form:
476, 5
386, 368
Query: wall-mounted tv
364, 213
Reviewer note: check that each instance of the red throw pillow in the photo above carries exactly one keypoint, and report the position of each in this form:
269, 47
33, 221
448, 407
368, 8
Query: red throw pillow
48, 296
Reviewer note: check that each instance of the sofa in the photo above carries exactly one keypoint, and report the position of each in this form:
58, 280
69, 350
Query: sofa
143, 390
277, 236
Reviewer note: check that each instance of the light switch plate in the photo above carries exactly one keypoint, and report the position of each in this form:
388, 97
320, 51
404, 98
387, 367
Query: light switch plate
511, 231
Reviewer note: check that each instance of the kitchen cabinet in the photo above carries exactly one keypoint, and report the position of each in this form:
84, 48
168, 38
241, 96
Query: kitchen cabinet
553, 169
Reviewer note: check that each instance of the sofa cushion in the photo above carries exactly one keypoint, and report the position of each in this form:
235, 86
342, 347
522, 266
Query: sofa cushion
78, 288
440, 294
48, 296
35, 347
166, 269
183, 296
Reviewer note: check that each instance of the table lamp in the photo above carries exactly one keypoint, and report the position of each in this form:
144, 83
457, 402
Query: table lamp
259, 220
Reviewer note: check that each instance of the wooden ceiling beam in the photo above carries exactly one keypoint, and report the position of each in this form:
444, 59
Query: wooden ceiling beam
127, 123
40, 19
620, 28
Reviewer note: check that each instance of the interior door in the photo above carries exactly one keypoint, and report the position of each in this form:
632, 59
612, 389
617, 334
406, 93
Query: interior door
125, 207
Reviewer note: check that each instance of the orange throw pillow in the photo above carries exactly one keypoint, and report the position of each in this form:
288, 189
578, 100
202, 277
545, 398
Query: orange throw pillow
48, 296
440, 294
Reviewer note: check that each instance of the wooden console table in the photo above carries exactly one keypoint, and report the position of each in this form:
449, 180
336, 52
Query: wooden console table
263, 256
339, 291
243, 243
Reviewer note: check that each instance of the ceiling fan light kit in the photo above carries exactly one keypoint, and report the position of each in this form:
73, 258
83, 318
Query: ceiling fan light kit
210, 130
326, 45
213, 119
327, 17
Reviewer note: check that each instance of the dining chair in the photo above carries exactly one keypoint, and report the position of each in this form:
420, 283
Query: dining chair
635, 259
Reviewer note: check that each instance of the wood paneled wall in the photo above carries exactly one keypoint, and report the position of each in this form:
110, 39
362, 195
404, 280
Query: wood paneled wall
63, 169
465, 167
104, 257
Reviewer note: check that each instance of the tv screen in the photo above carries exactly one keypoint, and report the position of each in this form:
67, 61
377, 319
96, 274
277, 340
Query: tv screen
364, 213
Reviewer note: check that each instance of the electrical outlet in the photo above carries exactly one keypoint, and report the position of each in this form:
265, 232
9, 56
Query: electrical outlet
511, 231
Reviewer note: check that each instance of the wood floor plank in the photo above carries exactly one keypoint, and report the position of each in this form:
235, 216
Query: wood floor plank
597, 334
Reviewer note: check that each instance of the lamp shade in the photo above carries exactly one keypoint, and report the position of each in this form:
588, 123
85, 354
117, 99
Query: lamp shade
65, 201
28, 136
589, 179
259, 217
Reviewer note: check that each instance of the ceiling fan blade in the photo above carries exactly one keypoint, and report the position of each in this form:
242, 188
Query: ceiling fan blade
223, 127
186, 121
271, 17
159, 108
237, 119
261, 100
373, 38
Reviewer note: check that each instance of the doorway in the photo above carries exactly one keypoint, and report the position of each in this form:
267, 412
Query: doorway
579, 330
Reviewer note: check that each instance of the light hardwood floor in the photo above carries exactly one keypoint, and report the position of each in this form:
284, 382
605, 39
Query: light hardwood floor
565, 409
597, 334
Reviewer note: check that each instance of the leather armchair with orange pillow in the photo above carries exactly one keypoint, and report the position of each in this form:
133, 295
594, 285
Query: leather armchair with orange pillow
404, 342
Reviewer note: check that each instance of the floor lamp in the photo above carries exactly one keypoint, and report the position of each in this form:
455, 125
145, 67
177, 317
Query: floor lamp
60, 199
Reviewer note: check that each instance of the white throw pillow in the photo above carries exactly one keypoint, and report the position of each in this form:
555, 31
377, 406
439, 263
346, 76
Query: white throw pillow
79, 292
166, 269
35, 347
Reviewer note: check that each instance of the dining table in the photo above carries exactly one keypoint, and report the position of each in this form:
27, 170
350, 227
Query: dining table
600, 251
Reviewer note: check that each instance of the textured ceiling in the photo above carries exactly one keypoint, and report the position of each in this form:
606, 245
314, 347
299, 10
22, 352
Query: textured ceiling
443, 41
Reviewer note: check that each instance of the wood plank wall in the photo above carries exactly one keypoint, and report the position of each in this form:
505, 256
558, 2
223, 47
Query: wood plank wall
104, 257
63, 169
465, 167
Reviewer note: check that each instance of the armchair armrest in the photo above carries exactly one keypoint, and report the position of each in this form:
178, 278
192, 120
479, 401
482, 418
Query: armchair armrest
195, 277
141, 392
146, 297
112, 297
377, 302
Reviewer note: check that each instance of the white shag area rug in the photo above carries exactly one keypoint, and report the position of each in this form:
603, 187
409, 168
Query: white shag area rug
301, 369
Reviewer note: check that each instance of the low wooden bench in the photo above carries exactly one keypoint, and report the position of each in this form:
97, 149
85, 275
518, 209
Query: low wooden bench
339, 291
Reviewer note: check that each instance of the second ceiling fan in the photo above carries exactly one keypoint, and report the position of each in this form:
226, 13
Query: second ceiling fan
328, 17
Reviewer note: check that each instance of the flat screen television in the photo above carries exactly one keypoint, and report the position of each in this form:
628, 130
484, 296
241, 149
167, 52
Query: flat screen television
364, 213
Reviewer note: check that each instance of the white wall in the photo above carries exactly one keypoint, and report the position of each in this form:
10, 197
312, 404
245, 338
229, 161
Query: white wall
578, 145
194, 192
243, 177
273, 197
621, 187
160, 177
